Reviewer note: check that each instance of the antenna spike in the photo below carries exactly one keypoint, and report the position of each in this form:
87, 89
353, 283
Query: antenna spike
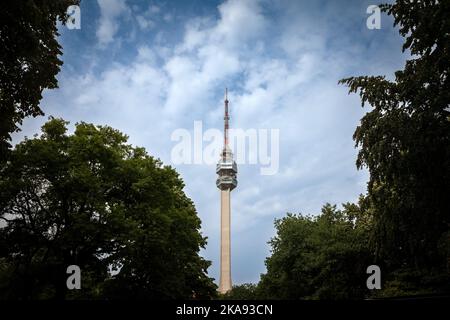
226, 118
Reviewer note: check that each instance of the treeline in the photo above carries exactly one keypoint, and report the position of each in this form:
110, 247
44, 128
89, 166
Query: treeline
326, 256
402, 224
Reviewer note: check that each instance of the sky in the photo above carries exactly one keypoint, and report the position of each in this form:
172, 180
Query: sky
149, 68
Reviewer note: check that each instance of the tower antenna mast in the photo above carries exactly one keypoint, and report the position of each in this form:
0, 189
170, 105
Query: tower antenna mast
226, 119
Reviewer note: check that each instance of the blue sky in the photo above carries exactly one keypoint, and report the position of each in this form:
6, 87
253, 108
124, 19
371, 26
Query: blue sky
148, 68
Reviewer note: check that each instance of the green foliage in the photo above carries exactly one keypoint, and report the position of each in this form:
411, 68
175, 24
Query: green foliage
246, 291
405, 143
28, 59
92, 200
412, 282
319, 257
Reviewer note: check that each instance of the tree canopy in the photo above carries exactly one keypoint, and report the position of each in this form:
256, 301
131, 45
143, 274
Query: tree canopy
319, 257
29, 59
405, 141
92, 200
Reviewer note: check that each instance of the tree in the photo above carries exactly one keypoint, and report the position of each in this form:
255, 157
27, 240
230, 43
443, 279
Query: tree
319, 257
92, 200
28, 60
405, 143
245, 291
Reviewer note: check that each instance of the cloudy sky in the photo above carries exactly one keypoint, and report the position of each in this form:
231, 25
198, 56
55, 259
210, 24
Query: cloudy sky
150, 68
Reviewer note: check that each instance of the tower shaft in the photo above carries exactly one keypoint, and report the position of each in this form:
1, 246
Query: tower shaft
225, 241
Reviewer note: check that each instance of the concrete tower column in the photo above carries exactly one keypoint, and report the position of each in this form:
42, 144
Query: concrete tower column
225, 242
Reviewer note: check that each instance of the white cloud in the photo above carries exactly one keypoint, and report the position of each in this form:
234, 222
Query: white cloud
211, 52
144, 23
110, 11
153, 9
146, 19
240, 21
168, 17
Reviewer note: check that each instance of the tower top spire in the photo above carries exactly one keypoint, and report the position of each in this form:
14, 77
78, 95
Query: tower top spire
226, 119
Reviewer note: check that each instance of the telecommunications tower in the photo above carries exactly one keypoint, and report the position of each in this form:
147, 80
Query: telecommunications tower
226, 170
